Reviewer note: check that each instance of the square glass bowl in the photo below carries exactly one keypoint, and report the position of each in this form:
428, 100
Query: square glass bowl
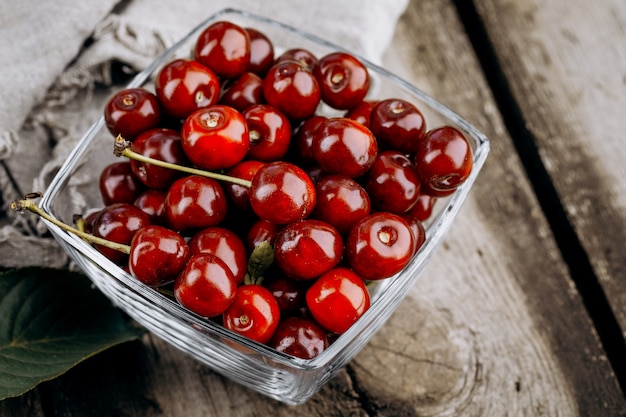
74, 189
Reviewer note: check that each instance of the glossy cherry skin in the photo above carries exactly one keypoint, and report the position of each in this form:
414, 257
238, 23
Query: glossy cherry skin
152, 202
379, 245
269, 131
261, 231
392, 183
261, 52
423, 208
164, 145
224, 47
344, 146
224, 244
215, 137
205, 286
300, 337
306, 249
157, 255
282, 193
118, 184
362, 112
444, 161
195, 202
301, 55
184, 86
238, 195
254, 313
288, 293
131, 111
341, 202
343, 79
242, 92
303, 140
398, 125
293, 89
118, 223
417, 228
337, 299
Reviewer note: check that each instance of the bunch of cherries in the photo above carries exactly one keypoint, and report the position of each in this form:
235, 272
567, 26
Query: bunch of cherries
255, 210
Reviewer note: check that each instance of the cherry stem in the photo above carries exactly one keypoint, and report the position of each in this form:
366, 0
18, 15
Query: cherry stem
122, 148
27, 204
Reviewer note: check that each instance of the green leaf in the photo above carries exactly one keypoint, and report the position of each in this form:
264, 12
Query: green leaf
260, 260
50, 320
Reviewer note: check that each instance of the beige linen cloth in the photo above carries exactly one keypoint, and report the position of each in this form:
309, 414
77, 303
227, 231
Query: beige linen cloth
59, 55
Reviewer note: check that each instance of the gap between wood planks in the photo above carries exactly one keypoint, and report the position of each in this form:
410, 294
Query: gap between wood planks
572, 251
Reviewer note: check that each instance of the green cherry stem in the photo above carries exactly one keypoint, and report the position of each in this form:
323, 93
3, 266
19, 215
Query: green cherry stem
122, 148
26, 204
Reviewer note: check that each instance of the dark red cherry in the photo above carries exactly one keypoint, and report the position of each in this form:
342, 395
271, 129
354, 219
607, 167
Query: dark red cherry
344, 146
301, 55
261, 231
300, 337
398, 125
291, 88
306, 249
343, 79
131, 111
184, 86
224, 47
379, 245
205, 286
238, 195
118, 223
224, 244
152, 202
269, 131
423, 208
157, 255
261, 52
417, 228
337, 299
303, 140
341, 202
195, 202
288, 293
443, 160
164, 145
215, 137
254, 313
362, 112
392, 183
282, 193
243, 92
118, 184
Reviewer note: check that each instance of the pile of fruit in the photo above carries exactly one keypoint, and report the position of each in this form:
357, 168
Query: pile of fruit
251, 208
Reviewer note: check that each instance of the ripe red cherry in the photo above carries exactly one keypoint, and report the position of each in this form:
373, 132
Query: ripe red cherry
282, 193
224, 244
289, 294
195, 202
417, 228
443, 160
243, 92
303, 140
184, 86
392, 183
118, 184
300, 337
164, 145
337, 299
306, 249
343, 79
398, 125
238, 195
157, 255
224, 47
261, 231
118, 223
341, 202
344, 146
205, 286
269, 131
215, 137
293, 89
301, 55
362, 112
261, 52
379, 245
423, 208
131, 111
254, 313
152, 202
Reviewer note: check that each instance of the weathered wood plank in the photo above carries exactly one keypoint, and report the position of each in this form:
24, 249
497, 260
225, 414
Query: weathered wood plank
566, 64
494, 327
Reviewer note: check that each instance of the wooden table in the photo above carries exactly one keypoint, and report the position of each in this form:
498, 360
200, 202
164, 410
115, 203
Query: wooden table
522, 311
